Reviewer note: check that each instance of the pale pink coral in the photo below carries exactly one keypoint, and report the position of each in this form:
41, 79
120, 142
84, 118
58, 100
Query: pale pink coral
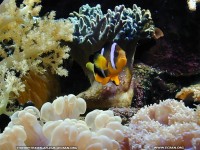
88, 134
63, 107
11, 137
169, 123
28, 118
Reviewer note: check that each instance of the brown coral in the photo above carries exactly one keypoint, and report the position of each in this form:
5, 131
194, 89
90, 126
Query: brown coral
39, 88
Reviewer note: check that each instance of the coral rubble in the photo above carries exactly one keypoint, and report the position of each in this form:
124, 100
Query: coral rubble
29, 43
125, 113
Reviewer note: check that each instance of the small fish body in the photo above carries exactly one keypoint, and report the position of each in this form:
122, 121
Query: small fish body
107, 64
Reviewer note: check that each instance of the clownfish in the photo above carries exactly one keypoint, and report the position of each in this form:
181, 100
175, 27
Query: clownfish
107, 64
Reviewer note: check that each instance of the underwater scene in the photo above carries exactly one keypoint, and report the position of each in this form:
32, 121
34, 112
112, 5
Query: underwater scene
99, 74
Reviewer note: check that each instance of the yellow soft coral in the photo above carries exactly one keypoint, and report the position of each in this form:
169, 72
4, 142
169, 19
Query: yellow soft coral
29, 43
189, 93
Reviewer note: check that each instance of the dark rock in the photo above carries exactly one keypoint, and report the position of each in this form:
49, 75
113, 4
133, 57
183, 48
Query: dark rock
4, 120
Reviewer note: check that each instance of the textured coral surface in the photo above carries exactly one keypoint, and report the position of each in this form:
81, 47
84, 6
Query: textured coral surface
29, 43
58, 124
169, 123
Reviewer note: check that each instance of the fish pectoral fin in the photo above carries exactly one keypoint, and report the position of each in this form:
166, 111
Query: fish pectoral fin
101, 62
115, 79
101, 80
90, 66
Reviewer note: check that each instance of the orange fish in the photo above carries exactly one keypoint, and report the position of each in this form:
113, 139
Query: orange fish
107, 64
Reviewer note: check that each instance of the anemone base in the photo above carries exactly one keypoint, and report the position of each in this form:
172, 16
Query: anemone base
110, 95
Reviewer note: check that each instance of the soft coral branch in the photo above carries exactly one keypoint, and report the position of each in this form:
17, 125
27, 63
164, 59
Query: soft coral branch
29, 43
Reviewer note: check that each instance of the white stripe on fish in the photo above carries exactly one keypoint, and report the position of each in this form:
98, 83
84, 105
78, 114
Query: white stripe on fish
102, 71
112, 55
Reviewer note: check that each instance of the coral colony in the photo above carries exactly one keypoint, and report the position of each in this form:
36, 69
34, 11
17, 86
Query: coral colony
57, 124
28, 44
92, 30
32, 49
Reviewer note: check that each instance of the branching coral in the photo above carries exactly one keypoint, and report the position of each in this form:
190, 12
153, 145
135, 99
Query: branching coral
100, 130
190, 93
94, 29
169, 123
29, 43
